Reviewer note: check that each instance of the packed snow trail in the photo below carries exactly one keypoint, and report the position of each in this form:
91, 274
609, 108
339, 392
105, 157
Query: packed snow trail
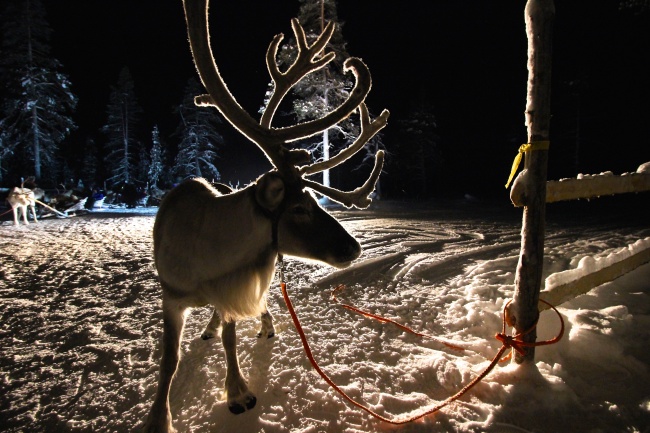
80, 327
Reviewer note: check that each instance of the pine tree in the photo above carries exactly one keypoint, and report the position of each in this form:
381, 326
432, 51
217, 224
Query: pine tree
156, 160
122, 145
198, 137
320, 92
37, 97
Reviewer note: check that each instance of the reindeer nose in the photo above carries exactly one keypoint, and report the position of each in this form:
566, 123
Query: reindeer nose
350, 251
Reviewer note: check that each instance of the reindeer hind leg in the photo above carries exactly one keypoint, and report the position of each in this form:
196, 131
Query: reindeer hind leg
160, 418
23, 211
33, 208
212, 327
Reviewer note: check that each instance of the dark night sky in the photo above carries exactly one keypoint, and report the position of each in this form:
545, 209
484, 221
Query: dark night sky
467, 57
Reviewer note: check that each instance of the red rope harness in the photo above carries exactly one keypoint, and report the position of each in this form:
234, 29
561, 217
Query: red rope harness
509, 342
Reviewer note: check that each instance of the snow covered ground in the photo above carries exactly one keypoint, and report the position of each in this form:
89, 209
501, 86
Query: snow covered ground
80, 325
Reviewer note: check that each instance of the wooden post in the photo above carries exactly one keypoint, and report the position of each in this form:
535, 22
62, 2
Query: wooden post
523, 312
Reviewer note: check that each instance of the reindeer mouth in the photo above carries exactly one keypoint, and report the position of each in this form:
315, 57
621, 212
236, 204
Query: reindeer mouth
342, 265
341, 259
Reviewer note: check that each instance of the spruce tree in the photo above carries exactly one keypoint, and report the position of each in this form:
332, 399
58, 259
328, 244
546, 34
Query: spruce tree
199, 137
142, 170
419, 160
37, 101
122, 145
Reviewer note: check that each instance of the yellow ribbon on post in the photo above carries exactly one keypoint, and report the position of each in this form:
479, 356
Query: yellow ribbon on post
527, 147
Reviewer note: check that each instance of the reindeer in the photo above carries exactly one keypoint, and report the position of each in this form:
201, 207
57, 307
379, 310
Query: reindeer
221, 249
20, 199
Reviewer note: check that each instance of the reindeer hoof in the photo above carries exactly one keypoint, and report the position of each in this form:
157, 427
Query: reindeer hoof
269, 335
237, 408
209, 333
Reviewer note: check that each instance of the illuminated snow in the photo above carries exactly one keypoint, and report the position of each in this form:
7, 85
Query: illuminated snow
81, 323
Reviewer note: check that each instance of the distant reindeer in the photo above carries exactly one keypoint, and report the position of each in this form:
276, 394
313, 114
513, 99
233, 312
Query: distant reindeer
20, 199
220, 248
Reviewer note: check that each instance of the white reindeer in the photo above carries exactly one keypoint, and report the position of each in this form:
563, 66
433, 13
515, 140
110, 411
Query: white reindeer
221, 249
20, 199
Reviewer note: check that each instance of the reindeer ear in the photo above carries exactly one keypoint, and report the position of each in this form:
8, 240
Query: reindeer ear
270, 191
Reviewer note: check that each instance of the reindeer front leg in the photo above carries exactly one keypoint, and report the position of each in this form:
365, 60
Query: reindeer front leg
239, 398
160, 417
16, 216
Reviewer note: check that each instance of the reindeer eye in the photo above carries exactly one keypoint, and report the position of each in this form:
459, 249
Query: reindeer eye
300, 211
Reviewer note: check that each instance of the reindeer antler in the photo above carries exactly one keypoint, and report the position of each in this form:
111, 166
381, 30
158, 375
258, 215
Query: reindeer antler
368, 130
360, 197
274, 141
307, 61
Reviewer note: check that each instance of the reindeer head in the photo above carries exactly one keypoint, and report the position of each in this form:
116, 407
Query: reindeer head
291, 165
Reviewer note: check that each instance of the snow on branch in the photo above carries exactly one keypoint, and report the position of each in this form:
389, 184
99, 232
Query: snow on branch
589, 186
585, 186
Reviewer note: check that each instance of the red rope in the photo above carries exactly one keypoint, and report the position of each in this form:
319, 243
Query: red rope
508, 342
381, 319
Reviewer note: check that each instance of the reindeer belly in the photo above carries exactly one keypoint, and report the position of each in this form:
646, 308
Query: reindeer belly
236, 290
238, 295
